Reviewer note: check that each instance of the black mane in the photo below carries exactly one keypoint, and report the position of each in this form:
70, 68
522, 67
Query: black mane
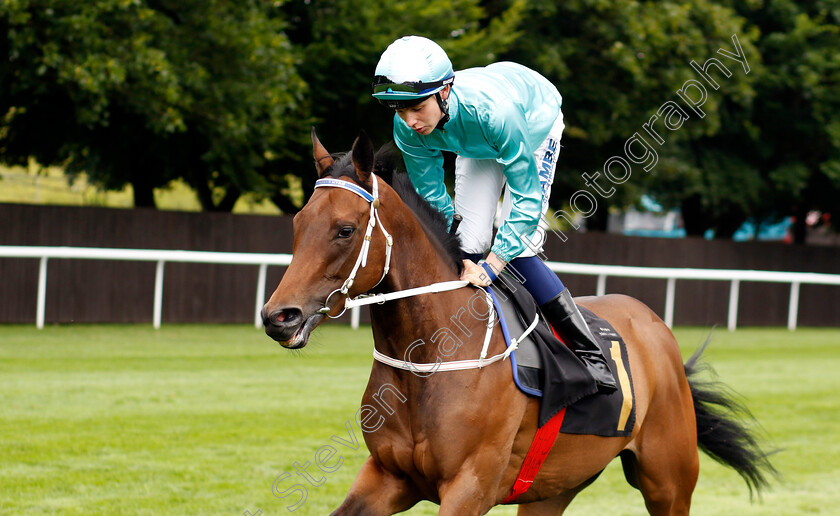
390, 168
343, 166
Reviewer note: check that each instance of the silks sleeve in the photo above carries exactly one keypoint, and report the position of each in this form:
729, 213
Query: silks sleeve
507, 130
425, 169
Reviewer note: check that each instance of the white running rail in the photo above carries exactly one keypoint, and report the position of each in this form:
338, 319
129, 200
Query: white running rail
263, 260
735, 277
145, 255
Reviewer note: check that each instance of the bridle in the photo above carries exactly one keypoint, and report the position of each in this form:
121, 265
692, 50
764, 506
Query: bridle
367, 299
361, 260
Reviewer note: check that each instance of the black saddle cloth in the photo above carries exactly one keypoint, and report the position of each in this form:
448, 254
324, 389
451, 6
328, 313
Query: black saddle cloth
560, 376
545, 367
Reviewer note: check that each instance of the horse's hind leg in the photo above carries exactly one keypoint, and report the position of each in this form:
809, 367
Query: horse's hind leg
666, 463
666, 484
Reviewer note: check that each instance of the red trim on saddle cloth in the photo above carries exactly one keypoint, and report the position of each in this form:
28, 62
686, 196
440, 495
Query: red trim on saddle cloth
537, 453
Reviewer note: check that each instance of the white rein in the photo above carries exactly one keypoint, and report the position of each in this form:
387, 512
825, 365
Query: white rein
369, 299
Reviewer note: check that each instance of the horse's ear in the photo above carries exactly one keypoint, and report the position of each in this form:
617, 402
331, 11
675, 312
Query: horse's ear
363, 157
323, 160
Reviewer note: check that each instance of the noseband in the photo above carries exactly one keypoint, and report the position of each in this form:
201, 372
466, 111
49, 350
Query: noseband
361, 260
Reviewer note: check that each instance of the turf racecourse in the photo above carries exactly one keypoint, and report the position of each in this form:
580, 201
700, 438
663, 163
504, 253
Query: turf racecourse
194, 420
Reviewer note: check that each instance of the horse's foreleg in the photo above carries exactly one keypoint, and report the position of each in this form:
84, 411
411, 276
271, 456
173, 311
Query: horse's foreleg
465, 496
475, 488
551, 507
377, 492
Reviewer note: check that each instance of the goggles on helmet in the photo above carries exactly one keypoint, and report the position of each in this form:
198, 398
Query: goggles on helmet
382, 84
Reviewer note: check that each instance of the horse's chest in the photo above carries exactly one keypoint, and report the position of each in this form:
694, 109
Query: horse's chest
425, 460
401, 453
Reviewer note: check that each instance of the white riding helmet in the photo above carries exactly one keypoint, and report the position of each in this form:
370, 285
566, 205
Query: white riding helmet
411, 69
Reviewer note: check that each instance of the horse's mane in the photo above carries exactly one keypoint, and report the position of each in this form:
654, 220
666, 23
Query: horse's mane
389, 167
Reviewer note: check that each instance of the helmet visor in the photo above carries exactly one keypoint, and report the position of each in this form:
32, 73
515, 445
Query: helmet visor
382, 84
401, 103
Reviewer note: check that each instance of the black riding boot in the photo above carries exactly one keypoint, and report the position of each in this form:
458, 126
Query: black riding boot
565, 317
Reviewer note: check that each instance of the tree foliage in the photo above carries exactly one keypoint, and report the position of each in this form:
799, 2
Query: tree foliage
616, 63
223, 93
777, 156
144, 92
766, 147
341, 41
796, 144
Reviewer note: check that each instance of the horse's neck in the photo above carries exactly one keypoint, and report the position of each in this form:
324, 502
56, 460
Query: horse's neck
418, 258
418, 261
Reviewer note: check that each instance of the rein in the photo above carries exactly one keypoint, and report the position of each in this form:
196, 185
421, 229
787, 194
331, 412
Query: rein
444, 286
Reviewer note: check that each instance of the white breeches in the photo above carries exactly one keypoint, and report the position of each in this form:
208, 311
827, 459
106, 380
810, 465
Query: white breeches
478, 186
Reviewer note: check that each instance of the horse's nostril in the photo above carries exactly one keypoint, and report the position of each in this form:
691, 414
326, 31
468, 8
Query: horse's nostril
284, 317
289, 316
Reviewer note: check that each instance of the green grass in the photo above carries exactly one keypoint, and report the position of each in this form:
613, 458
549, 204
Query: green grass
40, 185
201, 420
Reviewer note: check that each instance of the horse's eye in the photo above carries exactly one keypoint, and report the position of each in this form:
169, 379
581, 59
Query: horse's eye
345, 232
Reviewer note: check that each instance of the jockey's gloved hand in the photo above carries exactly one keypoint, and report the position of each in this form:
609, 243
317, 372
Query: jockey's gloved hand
476, 274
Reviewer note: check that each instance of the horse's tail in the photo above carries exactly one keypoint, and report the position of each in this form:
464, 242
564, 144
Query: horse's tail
722, 431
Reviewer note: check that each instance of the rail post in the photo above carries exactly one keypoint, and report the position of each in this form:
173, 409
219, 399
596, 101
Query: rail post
732, 317
260, 296
158, 294
793, 307
601, 289
42, 293
669, 302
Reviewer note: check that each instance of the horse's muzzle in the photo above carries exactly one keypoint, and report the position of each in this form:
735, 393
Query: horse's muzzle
288, 326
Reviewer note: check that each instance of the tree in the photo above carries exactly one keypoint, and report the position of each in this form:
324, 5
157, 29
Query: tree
796, 141
779, 157
616, 64
341, 41
143, 92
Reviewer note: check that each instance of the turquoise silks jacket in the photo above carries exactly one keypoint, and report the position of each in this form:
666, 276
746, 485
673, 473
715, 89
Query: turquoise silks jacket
503, 112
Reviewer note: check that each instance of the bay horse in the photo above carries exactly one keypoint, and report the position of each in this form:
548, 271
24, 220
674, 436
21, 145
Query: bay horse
459, 438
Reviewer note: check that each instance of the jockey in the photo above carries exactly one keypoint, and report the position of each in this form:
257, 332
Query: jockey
504, 123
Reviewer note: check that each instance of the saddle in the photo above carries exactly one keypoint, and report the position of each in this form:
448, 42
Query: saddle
543, 366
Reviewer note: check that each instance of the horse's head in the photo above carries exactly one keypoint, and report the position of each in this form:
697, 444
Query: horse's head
329, 235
